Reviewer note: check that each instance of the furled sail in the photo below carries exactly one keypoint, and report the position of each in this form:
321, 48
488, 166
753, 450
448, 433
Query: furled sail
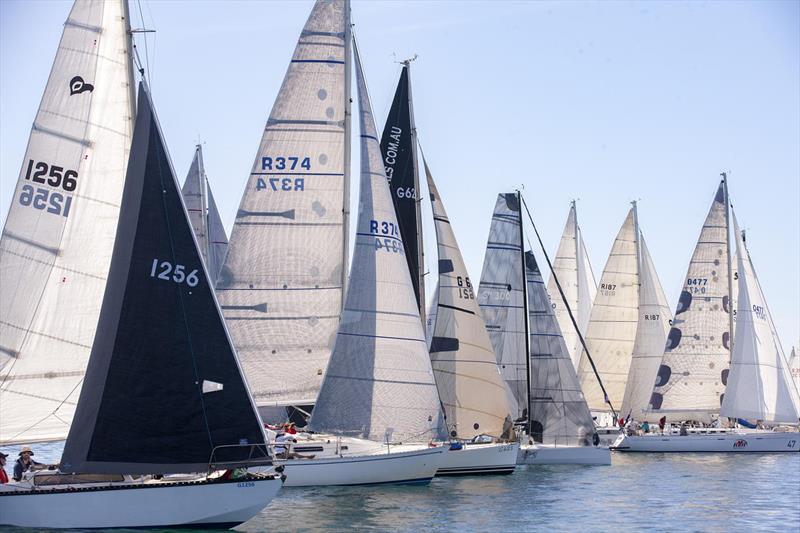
653, 325
574, 272
760, 385
612, 326
464, 363
502, 297
559, 414
58, 237
694, 368
398, 146
282, 282
379, 384
163, 387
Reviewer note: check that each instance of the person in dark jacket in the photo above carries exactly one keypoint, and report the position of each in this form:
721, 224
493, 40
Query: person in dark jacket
24, 463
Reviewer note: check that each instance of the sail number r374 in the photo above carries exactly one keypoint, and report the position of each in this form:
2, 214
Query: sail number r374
178, 273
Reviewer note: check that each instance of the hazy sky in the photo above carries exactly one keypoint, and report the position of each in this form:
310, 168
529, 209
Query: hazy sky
604, 102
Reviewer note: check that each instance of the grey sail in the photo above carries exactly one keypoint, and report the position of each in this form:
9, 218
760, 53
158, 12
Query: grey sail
502, 297
379, 383
217, 238
282, 281
559, 414
163, 387
195, 199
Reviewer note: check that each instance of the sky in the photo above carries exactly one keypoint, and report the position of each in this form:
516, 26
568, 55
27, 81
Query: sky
603, 102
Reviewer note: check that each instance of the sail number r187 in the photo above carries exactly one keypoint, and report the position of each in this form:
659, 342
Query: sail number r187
178, 272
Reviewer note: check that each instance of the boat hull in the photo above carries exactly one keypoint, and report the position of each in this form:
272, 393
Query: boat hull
148, 505
416, 466
732, 442
542, 454
477, 459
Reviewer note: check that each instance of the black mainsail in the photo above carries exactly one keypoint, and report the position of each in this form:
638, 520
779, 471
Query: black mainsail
398, 147
163, 386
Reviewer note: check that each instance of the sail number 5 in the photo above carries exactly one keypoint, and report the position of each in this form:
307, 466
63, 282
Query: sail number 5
178, 272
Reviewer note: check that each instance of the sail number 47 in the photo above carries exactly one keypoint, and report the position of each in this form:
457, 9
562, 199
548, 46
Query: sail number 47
178, 273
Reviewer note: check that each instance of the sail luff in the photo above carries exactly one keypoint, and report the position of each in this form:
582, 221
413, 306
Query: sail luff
347, 155
417, 201
526, 318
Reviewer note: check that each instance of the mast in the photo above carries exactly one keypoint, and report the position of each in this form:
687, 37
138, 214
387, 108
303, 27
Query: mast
348, 101
526, 317
730, 267
638, 247
126, 12
417, 195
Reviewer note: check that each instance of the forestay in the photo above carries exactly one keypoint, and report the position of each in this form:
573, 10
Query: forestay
574, 272
612, 326
760, 385
163, 387
282, 282
694, 369
58, 236
559, 414
470, 385
379, 384
653, 324
502, 300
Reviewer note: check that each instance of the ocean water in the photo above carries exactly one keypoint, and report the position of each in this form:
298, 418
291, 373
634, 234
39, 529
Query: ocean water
658, 492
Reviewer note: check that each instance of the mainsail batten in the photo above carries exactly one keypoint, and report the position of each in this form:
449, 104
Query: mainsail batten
58, 237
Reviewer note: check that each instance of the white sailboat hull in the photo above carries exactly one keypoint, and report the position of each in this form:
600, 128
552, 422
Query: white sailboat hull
730, 442
474, 459
414, 466
543, 454
222, 504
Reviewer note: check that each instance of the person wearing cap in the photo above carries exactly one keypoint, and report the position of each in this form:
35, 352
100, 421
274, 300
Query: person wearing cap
3, 475
24, 463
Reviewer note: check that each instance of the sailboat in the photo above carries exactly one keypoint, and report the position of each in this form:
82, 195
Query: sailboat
58, 237
627, 328
757, 384
204, 215
165, 463
531, 351
474, 397
572, 267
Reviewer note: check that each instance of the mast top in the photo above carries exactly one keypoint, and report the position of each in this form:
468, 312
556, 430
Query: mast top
407, 62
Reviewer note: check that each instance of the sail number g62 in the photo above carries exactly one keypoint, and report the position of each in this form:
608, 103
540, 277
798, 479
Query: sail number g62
178, 273
465, 288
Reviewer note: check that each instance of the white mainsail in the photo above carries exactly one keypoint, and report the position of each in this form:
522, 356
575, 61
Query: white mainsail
501, 296
470, 385
760, 386
574, 272
612, 328
694, 368
379, 384
559, 414
653, 324
282, 282
57, 241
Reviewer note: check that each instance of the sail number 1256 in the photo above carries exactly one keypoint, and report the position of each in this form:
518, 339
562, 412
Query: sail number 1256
175, 273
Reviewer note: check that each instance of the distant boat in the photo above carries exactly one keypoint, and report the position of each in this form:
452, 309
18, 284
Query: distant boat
204, 216
627, 328
574, 270
530, 349
794, 367
758, 384
161, 356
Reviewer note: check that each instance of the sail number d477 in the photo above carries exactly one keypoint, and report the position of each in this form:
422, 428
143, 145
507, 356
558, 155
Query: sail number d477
175, 273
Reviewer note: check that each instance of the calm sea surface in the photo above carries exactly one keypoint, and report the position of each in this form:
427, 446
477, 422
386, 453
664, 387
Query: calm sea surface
659, 492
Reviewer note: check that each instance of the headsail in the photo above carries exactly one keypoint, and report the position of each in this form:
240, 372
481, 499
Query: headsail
399, 149
465, 366
559, 414
379, 384
574, 272
694, 369
612, 326
217, 238
760, 385
502, 297
282, 282
58, 237
163, 386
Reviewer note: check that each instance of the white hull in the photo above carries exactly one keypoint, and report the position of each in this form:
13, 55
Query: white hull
608, 435
472, 459
138, 505
417, 465
543, 454
738, 441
